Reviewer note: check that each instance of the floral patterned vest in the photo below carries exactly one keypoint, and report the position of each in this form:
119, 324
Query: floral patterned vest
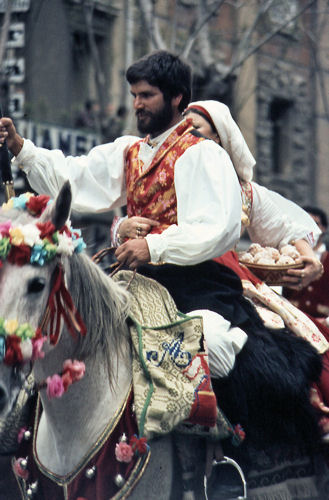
247, 199
151, 191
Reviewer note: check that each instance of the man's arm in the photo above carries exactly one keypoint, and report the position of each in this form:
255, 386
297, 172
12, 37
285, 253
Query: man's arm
97, 179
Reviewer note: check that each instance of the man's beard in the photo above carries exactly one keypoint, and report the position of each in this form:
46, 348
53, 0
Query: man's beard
156, 122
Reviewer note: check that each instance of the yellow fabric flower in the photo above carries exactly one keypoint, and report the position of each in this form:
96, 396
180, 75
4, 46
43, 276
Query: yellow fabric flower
9, 205
17, 236
11, 326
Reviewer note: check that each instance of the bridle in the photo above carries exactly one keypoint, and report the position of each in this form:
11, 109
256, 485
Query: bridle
60, 305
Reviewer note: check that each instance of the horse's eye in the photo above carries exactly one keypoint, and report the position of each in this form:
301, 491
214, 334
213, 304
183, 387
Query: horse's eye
36, 285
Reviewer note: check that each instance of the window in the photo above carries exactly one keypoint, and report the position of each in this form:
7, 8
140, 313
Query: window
280, 116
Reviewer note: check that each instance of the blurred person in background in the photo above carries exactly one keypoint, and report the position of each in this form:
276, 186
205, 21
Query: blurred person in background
89, 117
313, 298
115, 124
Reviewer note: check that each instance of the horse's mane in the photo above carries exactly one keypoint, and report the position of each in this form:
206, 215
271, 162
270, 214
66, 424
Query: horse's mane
102, 303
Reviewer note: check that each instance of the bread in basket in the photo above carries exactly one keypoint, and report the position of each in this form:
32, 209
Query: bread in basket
271, 275
270, 264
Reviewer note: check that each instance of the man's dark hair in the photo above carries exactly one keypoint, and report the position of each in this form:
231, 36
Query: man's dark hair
318, 212
167, 72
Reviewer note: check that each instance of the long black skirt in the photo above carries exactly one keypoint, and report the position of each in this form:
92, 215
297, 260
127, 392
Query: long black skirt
268, 390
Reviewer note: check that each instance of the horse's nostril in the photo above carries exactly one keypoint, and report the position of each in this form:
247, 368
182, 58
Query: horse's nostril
3, 399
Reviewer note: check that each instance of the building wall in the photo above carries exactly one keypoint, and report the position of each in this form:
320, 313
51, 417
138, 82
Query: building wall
60, 76
48, 88
319, 165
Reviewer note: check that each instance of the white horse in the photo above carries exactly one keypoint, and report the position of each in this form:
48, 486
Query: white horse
71, 431
71, 427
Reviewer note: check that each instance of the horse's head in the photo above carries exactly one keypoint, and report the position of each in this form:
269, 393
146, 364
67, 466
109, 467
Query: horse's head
47, 287
28, 253
28, 257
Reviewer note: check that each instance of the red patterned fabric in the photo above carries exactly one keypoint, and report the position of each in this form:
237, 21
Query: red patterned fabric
313, 299
231, 260
102, 485
204, 408
151, 192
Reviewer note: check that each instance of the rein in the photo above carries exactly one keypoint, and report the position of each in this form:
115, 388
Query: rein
116, 266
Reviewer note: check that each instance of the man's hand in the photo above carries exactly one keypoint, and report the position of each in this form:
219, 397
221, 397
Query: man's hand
8, 133
136, 227
133, 253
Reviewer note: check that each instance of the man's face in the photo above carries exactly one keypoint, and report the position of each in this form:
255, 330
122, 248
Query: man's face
154, 114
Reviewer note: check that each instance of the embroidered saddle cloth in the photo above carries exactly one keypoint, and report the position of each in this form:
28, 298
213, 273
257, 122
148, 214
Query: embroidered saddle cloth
171, 379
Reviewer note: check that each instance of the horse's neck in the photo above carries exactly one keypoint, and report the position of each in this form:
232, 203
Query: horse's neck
70, 426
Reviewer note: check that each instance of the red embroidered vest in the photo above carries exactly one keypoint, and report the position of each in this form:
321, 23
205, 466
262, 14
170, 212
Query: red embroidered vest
151, 192
247, 200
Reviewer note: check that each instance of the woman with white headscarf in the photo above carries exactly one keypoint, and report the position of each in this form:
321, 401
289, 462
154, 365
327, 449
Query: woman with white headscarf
270, 220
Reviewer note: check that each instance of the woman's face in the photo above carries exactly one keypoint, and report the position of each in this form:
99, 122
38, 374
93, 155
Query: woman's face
203, 126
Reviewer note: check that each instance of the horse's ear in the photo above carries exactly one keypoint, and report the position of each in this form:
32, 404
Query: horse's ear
62, 206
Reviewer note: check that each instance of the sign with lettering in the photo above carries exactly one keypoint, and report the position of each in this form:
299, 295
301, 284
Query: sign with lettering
17, 5
70, 141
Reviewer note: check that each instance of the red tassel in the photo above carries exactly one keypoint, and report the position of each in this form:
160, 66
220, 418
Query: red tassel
60, 305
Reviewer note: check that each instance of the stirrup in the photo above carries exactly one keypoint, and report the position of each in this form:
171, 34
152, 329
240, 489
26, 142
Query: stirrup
227, 461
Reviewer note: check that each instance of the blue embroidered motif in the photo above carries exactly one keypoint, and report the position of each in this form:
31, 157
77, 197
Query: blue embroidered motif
181, 358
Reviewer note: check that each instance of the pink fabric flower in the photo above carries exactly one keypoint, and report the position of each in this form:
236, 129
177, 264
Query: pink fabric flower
75, 368
123, 452
4, 228
55, 387
37, 348
18, 469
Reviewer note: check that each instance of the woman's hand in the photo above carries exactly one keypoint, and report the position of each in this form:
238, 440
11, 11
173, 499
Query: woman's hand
297, 279
136, 227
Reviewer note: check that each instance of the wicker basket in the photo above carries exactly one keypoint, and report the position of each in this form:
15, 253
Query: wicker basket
271, 275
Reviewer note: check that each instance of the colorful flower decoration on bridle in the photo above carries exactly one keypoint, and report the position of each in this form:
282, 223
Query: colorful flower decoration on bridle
37, 244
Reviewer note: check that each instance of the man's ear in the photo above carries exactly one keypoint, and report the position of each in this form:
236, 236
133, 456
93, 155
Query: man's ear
175, 101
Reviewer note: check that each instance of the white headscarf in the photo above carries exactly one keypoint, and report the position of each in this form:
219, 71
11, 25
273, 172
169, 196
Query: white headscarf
230, 136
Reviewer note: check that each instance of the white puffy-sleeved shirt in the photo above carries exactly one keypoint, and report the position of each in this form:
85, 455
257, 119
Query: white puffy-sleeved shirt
276, 221
206, 185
